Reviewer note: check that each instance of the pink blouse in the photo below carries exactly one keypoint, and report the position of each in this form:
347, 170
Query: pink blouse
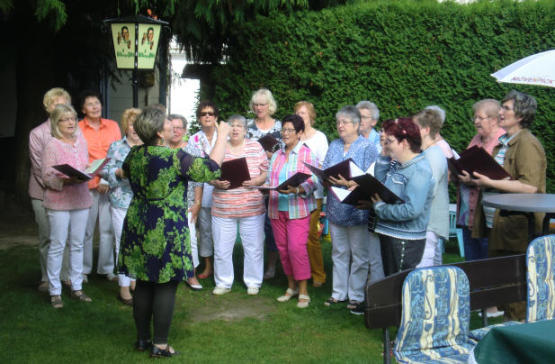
57, 195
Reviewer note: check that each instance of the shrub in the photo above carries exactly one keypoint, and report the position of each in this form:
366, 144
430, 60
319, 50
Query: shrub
402, 55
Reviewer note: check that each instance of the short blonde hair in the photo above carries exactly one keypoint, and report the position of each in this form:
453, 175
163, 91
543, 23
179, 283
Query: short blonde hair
129, 116
267, 96
309, 108
56, 116
52, 94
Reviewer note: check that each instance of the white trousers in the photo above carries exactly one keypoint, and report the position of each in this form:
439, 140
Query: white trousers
63, 225
41, 218
251, 230
350, 254
193, 237
118, 215
205, 240
375, 272
432, 251
100, 210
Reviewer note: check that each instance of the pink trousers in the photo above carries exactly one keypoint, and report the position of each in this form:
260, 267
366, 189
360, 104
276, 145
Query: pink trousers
291, 238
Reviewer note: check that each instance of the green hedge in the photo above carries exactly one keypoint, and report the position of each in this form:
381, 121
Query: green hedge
401, 55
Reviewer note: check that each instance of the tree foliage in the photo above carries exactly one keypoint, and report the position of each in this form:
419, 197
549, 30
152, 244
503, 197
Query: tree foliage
403, 56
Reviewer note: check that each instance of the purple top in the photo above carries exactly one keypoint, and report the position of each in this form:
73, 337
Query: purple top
58, 196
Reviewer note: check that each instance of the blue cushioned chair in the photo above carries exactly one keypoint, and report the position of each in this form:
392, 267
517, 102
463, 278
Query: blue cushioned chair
540, 259
435, 317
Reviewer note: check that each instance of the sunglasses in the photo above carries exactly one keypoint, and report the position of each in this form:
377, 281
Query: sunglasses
207, 114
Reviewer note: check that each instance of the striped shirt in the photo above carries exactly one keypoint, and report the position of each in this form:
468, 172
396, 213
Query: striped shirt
241, 201
299, 205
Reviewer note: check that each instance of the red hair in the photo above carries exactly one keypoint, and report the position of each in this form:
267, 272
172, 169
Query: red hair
404, 128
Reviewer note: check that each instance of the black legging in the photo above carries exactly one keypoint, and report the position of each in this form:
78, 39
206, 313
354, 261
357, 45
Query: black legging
154, 300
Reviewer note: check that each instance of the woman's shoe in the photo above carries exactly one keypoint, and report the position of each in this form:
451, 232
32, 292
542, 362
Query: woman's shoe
194, 286
142, 345
353, 304
56, 301
305, 301
290, 293
81, 296
332, 301
125, 301
156, 352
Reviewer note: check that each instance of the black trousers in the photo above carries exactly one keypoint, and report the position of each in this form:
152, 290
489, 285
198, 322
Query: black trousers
400, 254
154, 301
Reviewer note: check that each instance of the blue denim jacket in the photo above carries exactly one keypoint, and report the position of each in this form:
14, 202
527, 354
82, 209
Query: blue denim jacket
363, 154
414, 183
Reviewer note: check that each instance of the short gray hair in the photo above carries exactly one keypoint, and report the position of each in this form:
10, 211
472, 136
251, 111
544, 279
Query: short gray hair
489, 106
149, 123
56, 116
350, 112
265, 94
237, 117
180, 117
370, 106
439, 110
524, 106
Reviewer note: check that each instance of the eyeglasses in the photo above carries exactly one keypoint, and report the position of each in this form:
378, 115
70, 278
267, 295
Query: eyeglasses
343, 122
288, 131
207, 113
259, 105
480, 118
72, 118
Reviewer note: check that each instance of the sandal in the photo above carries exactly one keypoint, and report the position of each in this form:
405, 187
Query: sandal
305, 301
332, 301
81, 296
56, 301
125, 301
168, 352
290, 293
353, 304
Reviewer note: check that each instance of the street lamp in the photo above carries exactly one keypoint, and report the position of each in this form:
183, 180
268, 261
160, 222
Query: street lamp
135, 41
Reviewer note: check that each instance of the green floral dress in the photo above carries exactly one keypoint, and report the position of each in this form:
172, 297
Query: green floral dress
155, 245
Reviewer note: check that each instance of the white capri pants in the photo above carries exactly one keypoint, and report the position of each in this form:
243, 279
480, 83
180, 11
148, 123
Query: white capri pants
63, 225
251, 230
193, 238
432, 251
205, 240
118, 215
100, 209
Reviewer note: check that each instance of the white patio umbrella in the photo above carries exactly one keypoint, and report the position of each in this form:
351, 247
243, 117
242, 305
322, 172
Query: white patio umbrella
537, 69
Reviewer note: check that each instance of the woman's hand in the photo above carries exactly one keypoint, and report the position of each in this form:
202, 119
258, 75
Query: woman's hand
194, 210
376, 198
224, 129
365, 205
465, 178
292, 190
481, 180
222, 185
341, 181
102, 188
119, 173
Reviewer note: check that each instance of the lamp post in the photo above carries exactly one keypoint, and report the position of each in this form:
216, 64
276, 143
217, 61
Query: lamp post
135, 40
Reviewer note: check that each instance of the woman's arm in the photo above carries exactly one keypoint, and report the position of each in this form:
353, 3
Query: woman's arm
50, 176
417, 190
109, 171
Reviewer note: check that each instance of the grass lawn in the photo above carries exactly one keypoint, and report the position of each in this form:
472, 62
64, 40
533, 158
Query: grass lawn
232, 328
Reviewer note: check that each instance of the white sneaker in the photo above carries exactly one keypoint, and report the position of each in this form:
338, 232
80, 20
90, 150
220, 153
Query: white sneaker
218, 291
252, 291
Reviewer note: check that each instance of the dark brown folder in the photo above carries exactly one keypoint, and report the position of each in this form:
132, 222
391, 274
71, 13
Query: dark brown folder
293, 181
367, 187
342, 168
476, 159
269, 143
72, 172
236, 171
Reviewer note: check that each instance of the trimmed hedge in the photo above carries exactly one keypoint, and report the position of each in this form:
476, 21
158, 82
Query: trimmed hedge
401, 55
